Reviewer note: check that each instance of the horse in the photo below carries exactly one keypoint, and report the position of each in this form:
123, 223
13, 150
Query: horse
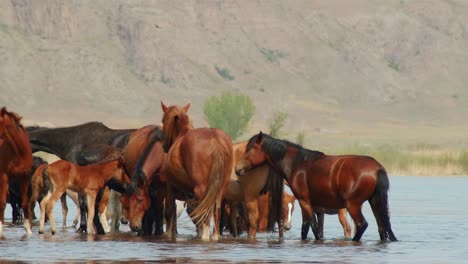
199, 164
247, 189
68, 142
263, 210
56, 178
15, 162
144, 199
320, 180
14, 196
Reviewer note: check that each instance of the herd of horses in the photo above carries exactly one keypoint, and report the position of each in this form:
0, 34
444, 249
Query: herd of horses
145, 173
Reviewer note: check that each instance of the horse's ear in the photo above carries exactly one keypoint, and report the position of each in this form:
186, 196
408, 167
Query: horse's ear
186, 107
164, 107
259, 138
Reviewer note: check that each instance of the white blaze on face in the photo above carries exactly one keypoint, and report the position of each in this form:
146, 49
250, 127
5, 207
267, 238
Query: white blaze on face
289, 212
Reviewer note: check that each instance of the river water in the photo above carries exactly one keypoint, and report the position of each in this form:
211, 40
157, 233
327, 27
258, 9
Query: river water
429, 216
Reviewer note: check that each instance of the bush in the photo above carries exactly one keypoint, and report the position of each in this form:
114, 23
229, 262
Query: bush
276, 123
230, 112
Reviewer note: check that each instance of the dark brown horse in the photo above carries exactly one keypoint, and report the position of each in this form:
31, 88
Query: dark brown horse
15, 162
199, 163
68, 143
319, 180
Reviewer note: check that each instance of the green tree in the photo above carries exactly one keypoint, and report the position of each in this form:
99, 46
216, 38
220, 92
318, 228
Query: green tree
231, 112
277, 122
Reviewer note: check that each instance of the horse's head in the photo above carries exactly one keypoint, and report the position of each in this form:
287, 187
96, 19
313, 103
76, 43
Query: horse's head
288, 209
135, 204
254, 155
176, 123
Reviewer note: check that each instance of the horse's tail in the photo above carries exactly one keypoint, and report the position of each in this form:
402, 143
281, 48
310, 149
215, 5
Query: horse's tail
139, 175
38, 187
379, 205
221, 167
275, 186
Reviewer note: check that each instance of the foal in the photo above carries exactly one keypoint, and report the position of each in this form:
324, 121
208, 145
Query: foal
62, 175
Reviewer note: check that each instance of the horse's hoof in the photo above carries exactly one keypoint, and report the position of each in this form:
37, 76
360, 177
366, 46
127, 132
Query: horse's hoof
53, 232
41, 232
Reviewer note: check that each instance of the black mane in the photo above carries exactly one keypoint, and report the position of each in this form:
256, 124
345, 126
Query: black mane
276, 148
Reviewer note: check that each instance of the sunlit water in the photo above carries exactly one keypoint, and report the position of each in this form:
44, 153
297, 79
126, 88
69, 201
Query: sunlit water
429, 216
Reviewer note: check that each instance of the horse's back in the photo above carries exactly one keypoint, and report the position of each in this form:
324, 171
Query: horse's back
332, 180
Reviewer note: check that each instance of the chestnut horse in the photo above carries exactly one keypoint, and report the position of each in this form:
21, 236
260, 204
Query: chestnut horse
61, 175
316, 179
15, 162
199, 163
263, 210
144, 160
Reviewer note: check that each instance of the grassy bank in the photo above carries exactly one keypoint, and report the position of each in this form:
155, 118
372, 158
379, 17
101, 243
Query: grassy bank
430, 160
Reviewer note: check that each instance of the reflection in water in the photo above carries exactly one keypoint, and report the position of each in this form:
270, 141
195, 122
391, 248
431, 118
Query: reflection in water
431, 228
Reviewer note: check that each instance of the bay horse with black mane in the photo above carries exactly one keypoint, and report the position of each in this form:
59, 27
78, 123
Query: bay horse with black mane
319, 180
199, 164
15, 162
68, 143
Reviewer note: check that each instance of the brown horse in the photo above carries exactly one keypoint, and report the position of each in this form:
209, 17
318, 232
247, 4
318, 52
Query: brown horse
247, 189
334, 182
144, 160
199, 163
263, 209
15, 162
61, 175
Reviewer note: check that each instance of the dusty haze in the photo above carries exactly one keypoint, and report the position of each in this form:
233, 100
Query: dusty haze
344, 71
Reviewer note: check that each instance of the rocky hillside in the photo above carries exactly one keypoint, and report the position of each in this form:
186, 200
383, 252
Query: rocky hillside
341, 69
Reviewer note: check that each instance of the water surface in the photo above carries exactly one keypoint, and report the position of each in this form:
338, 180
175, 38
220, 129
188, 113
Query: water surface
429, 216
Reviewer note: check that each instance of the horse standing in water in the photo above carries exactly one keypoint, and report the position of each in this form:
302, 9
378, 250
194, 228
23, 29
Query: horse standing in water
56, 178
15, 162
316, 179
68, 143
199, 163
144, 199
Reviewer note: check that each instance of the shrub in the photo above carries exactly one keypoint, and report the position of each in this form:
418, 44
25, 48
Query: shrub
230, 112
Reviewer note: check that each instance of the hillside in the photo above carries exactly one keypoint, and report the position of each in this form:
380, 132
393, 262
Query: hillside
345, 71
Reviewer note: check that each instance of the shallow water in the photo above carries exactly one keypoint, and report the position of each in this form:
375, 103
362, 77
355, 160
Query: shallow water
429, 216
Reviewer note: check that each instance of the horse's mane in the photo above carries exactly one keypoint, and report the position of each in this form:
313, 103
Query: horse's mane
276, 148
176, 123
138, 175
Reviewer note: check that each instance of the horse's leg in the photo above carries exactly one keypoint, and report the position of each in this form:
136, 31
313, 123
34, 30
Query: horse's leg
157, 204
74, 197
43, 207
170, 213
91, 200
24, 190
103, 204
344, 222
305, 226
3, 198
216, 218
96, 223
63, 201
83, 210
320, 222
252, 209
354, 209
50, 208
233, 216
309, 215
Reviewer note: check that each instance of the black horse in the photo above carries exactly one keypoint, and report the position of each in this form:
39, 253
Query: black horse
69, 143
14, 196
